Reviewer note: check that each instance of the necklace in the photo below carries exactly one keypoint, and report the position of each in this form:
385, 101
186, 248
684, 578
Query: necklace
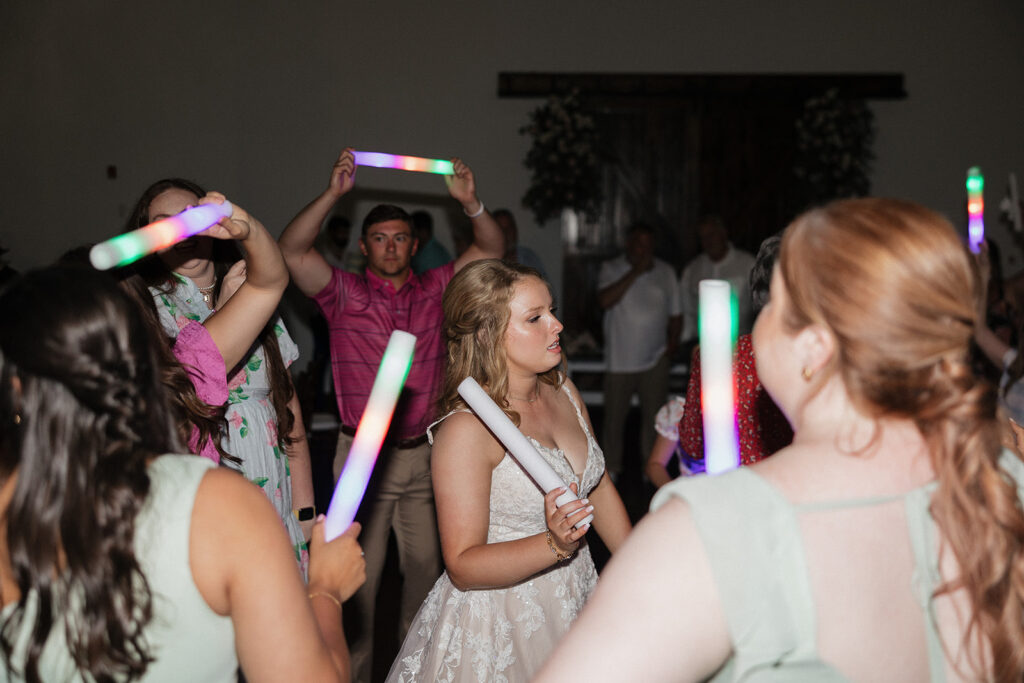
207, 293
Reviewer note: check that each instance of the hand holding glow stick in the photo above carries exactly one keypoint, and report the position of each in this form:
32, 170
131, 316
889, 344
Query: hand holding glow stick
131, 246
718, 389
404, 163
373, 427
975, 209
518, 445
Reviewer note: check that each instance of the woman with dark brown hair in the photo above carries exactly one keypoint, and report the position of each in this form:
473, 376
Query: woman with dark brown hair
887, 542
265, 431
120, 560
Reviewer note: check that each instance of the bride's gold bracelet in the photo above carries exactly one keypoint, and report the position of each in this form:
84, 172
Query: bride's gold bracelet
559, 555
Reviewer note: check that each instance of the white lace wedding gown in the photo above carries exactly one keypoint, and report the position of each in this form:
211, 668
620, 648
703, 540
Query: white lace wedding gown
504, 634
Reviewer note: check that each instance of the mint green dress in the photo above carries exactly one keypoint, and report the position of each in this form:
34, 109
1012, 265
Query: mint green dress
752, 539
189, 641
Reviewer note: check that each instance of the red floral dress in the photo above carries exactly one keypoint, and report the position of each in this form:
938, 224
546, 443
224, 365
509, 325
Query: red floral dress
762, 427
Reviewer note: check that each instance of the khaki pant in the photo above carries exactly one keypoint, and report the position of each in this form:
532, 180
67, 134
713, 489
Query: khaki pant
619, 387
399, 497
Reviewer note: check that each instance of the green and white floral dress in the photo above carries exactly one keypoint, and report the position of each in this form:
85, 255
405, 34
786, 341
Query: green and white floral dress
252, 421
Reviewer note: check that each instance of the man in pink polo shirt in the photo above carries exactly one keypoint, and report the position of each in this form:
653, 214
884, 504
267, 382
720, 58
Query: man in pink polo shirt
362, 311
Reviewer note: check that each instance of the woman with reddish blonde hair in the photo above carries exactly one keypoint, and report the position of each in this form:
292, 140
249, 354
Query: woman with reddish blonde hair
886, 542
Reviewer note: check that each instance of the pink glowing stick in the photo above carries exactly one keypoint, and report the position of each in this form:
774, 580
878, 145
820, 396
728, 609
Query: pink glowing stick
518, 445
131, 246
718, 389
373, 427
404, 163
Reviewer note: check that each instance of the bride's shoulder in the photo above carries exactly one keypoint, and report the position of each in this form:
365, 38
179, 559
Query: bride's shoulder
464, 432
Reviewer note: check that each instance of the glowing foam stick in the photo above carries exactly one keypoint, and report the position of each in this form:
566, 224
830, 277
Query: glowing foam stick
373, 427
975, 208
518, 445
131, 246
718, 389
404, 163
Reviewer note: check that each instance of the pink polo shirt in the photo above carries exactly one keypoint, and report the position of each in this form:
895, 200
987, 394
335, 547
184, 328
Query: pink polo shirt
361, 313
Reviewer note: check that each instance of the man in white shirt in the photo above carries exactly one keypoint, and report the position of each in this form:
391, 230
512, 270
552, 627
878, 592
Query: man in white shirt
719, 260
641, 329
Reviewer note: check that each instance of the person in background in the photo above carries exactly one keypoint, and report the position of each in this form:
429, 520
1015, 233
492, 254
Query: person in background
514, 251
887, 542
995, 347
429, 252
718, 260
640, 299
335, 245
762, 427
666, 445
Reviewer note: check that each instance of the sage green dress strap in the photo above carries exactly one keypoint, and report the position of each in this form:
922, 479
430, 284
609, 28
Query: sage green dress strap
751, 535
752, 539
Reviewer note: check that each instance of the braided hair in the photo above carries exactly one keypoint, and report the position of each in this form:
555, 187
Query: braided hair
83, 410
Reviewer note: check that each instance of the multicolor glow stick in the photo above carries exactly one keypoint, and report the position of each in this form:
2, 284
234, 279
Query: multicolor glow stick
718, 389
975, 208
404, 163
373, 427
518, 445
131, 246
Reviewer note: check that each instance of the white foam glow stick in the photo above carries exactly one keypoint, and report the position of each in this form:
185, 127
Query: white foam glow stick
718, 388
373, 427
518, 445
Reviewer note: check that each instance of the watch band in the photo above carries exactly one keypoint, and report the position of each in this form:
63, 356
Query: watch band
304, 514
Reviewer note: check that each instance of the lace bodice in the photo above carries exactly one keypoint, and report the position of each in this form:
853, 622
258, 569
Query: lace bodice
500, 635
517, 504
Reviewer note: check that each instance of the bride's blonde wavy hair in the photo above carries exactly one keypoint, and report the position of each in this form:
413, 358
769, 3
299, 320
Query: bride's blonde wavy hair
476, 313
895, 286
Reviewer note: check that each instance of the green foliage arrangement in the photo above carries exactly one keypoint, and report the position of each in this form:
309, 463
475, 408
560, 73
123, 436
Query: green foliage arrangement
834, 138
563, 159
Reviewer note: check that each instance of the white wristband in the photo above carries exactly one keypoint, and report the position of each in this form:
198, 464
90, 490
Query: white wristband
478, 211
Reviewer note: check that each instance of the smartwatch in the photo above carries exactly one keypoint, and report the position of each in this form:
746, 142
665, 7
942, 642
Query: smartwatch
305, 514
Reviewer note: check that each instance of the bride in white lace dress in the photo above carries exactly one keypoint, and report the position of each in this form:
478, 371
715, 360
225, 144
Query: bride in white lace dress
518, 573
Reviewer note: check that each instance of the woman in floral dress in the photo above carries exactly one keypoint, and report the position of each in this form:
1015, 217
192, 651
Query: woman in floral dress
188, 281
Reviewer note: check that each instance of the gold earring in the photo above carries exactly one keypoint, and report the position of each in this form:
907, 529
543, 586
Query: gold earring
17, 418
807, 374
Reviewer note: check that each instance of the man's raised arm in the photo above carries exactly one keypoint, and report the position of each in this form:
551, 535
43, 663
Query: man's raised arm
488, 240
308, 268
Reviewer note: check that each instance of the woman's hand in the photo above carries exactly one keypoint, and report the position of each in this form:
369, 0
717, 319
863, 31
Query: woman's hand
233, 279
337, 568
237, 226
561, 519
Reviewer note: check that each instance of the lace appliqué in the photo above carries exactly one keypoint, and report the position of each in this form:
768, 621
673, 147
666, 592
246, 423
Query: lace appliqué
505, 634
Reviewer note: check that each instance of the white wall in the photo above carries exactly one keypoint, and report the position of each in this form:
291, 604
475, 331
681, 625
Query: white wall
256, 98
